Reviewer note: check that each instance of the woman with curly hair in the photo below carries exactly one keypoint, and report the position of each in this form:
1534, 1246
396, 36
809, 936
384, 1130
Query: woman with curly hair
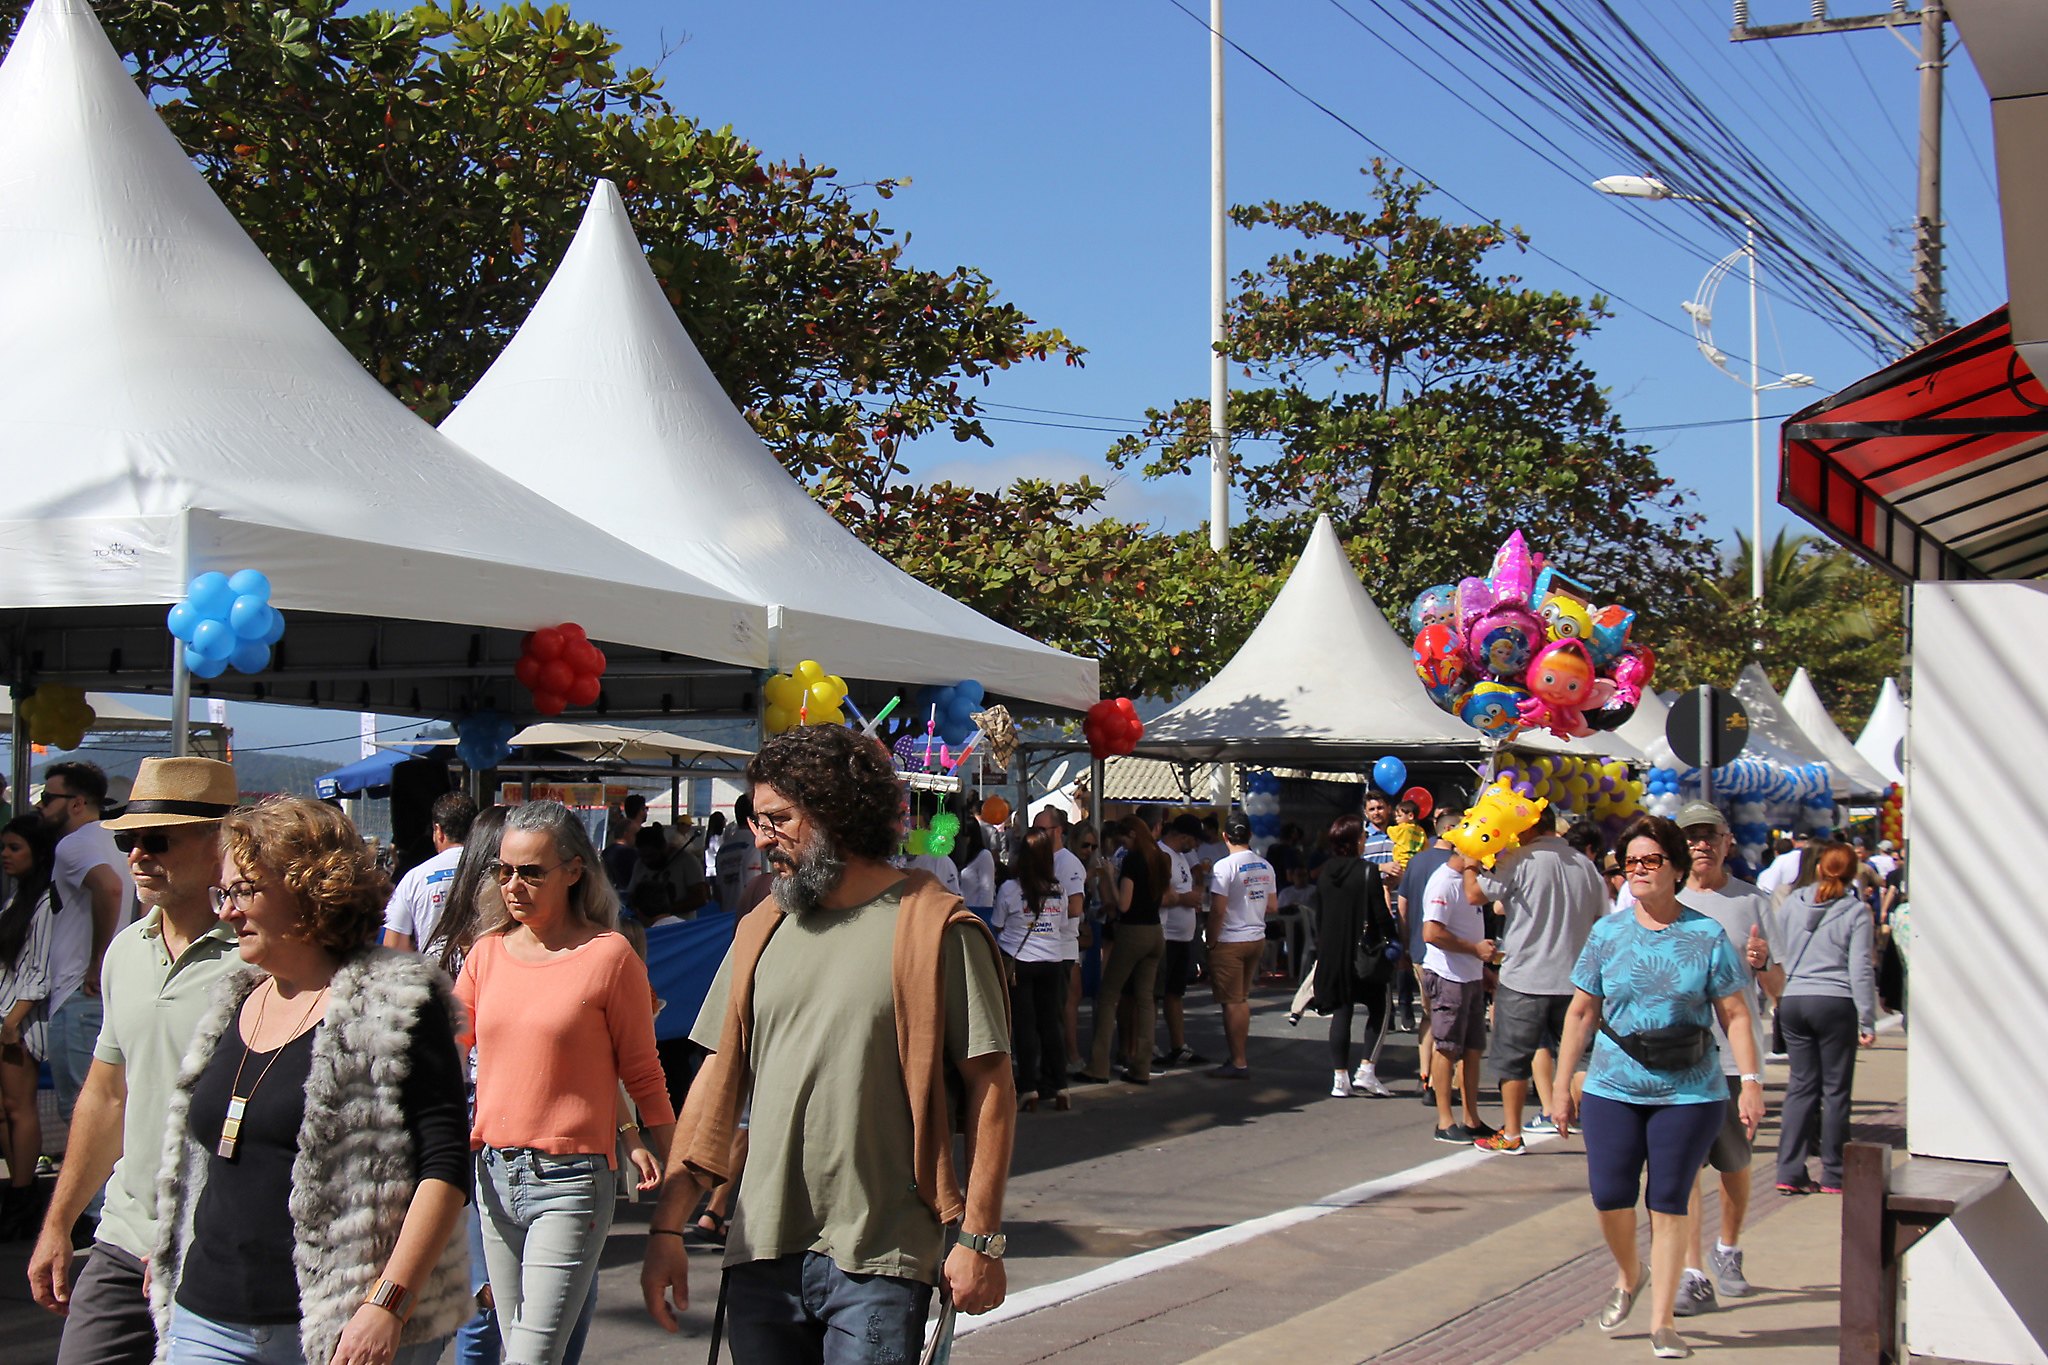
562, 1015
315, 1166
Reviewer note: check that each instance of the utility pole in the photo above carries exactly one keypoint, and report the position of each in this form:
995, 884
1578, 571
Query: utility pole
1930, 317
1219, 364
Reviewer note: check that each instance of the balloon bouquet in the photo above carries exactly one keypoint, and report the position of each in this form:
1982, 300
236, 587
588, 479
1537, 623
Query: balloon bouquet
1526, 647
57, 716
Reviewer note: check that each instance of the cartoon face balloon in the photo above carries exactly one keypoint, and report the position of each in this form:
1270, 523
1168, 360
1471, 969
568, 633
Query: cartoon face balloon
1501, 643
1439, 656
1565, 618
1433, 605
1610, 633
1494, 822
1493, 708
1562, 674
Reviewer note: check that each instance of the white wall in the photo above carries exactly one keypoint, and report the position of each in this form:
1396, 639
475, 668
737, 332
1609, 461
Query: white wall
1977, 1064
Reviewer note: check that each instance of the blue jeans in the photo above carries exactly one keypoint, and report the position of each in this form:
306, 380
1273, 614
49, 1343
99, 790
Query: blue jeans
73, 1032
802, 1309
545, 1219
202, 1341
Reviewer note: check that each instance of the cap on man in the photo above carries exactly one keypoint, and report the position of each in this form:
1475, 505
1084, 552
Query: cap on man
157, 980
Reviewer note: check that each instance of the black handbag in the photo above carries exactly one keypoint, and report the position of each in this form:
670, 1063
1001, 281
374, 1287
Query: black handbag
1673, 1047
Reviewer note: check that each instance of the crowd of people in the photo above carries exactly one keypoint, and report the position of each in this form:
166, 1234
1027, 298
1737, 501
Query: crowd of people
301, 1083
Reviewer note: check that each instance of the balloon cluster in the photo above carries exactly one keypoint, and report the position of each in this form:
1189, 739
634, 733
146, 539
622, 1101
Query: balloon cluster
806, 695
1526, 647
936, 838
226, 621
483, 740
57, 716
1891, 815
1661, 795
951, 709
1749, 822
1112, 727
560, 666
1389, 774
1495, 820
1751, 776
1599, 789
1262, 807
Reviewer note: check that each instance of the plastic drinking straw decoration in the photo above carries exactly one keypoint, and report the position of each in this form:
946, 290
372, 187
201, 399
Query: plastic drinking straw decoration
880, 716
847, 702
931, 733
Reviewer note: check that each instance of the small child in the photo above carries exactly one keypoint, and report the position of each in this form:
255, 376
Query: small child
1407, 835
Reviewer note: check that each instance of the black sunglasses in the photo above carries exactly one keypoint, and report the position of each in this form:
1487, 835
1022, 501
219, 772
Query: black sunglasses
155, 842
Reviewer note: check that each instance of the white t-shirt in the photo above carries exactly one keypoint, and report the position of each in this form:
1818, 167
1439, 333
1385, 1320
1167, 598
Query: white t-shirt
1780, 875
1030, 935
1443, 902
1179, 921
1072, 875
739, 862
942, 868
978, 881
1737, 907
415, 907
89, 846
1210, 854
1249, 888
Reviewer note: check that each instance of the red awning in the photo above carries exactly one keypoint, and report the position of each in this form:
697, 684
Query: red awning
1934, 467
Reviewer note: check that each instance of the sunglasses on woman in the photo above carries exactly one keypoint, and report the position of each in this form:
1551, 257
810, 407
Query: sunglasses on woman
154, 842
1648, 862
533, 874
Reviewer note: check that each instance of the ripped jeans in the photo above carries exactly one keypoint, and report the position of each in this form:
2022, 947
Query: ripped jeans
802, 1309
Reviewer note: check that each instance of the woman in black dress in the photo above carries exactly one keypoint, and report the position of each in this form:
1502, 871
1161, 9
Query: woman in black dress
1353, 929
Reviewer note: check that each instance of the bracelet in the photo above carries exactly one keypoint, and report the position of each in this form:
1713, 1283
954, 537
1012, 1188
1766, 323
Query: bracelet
626, 1128
664, 1232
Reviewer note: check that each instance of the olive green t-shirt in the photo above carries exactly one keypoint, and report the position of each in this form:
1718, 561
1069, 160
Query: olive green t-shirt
829, 1160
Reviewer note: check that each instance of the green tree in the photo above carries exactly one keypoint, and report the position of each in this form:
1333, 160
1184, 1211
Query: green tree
1429, 406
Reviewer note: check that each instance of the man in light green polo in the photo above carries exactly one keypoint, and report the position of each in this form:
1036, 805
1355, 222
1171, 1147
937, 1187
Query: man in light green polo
155, 982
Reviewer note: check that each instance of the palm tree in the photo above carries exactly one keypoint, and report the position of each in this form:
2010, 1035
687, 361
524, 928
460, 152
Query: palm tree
1802, 575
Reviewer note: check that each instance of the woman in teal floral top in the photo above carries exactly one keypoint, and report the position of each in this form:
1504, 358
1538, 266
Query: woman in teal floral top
1651, 981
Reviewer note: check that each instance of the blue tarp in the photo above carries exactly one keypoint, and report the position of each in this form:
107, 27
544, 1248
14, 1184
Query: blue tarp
682, 957
365, 773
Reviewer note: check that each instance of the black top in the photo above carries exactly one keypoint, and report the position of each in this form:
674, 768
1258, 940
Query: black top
239, 1268
1351, 909
1145, 892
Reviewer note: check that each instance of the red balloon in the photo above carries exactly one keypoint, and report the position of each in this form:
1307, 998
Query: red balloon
527, 670
585, 657
545, 644
598, 663
557, 676
1124, 707
572, 632
1424, 802
583, 692
548, 703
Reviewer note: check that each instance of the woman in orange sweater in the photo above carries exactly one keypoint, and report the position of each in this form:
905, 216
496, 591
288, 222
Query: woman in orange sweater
562, 1016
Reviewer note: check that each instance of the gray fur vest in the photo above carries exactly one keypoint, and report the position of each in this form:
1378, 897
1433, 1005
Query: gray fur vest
352, 1181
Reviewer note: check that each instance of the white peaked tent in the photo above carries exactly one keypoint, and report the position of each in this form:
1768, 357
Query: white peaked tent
602, 404
1598, 745
1323, 679
1882, 742
1774, 735
168, 405
1645, 729
1803, 704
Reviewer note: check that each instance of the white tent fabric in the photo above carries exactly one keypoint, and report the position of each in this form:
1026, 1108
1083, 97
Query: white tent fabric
1608, 744
1323, 679
168, 405
1774, 735
1645, 730
599, 743
1882, 742
1804, 706
603, 364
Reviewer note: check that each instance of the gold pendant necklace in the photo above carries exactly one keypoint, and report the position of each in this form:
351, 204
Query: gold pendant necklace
238, 1103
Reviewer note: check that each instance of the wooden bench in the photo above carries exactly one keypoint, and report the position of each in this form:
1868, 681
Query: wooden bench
1885, 1210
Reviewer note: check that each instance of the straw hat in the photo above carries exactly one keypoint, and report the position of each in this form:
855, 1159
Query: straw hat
179, 791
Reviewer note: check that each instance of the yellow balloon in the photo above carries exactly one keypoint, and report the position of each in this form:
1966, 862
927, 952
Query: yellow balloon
821, 697
833, 717
810, 671
785, 692
838, 683
775, 720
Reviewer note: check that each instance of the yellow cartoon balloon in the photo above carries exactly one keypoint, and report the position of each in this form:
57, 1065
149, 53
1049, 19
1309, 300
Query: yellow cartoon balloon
1494, 822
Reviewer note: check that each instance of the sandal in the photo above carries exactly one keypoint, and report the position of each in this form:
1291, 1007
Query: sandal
709, 1228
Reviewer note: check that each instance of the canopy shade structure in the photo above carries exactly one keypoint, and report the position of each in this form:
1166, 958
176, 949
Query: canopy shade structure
367, 776
1935, 467
1803, 705
1774, 735
1323, 680
593, 743
603, 364
168, 406
1646, 730
110, 715
1883, 741
1610, 744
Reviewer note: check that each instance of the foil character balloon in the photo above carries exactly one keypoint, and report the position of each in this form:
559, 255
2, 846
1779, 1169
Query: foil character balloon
1555, 582
1632, 671
1493, 708
1450, 697
1475, 599
1610, 633
1439, 656
1565, 618
1433, 606
1491, 827
1562, 686
1501, 643
1512, 571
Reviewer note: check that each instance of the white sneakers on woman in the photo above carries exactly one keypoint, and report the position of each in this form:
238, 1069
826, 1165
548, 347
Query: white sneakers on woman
1367, 1082
1340, 1086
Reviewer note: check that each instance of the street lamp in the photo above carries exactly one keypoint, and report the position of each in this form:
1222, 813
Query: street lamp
1701, 310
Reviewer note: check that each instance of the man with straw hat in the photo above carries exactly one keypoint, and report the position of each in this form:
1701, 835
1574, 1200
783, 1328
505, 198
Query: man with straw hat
155, 983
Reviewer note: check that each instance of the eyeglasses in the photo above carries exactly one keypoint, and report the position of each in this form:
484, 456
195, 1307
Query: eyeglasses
1649, 862
155, 843
775, 821
240, 895
1703, 834
533, 874
48, 796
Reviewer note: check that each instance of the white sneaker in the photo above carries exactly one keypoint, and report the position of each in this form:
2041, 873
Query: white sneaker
1340, 1087
1367, 1080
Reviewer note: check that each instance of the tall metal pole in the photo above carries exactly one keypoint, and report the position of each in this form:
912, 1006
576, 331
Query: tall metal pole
1756, 439
1219, 368
1927, 293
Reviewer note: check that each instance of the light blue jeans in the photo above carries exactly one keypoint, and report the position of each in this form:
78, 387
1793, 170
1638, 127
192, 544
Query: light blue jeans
477, 1341
545, 1219
202, 1341
73, 1032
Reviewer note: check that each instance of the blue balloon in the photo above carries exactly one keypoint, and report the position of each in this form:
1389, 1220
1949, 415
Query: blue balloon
1390, 774
182, 620
199, 666
214, 639
251, 583
249, 617
971, 690
211, 596
275, 630
250, 656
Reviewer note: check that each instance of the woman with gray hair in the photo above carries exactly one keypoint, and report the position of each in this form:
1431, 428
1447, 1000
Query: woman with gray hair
562, 1015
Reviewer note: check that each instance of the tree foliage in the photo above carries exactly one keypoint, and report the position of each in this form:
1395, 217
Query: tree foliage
1429, 406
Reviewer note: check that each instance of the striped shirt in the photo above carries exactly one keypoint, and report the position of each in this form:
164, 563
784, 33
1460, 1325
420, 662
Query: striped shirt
1377, 848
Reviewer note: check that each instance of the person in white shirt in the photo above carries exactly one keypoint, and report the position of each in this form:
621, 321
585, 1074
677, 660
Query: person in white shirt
1454, 957
977, 867
1783, 873
1180, 915
1030, 909
739, 862
1072, 875
415, 907
1242, 892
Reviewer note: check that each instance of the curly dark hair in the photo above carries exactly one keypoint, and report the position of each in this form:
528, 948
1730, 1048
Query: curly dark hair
323, 862
844, 781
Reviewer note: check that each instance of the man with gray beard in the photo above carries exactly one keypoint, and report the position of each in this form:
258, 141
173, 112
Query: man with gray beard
850, 1004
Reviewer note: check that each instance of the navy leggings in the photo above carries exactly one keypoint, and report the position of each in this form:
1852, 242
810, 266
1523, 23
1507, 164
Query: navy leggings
1672, 1138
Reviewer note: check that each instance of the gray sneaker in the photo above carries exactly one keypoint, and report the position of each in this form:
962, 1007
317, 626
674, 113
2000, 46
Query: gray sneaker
1727, 1268
1695, 1296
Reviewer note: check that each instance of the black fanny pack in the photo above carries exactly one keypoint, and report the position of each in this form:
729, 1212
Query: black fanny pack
1674, 1047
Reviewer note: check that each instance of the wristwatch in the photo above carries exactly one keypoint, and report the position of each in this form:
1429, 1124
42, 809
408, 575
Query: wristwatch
1756, 1076
989, 1244
392, 1297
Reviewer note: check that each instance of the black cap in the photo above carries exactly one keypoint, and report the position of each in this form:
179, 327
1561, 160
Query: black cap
1237, 830
1185, 824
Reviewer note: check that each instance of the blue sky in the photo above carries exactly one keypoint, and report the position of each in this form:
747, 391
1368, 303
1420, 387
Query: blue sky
1063, 148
